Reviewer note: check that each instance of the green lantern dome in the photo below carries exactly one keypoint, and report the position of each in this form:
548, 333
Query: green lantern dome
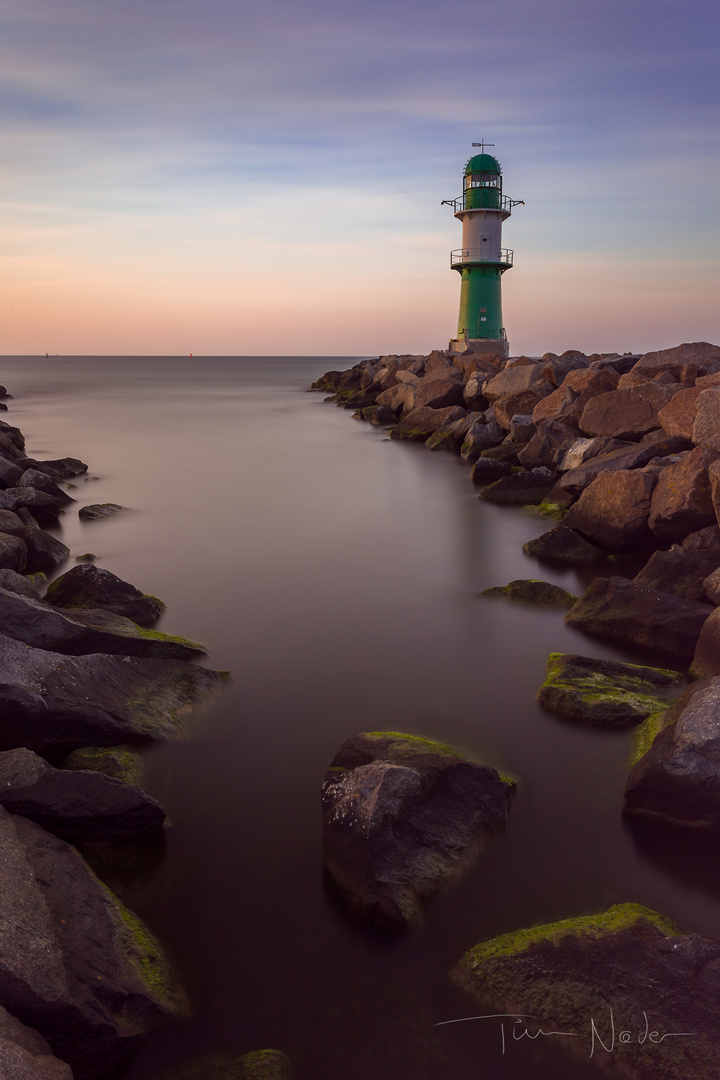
483, 163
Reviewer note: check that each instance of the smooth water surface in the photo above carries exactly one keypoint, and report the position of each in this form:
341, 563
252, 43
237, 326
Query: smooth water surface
336, 573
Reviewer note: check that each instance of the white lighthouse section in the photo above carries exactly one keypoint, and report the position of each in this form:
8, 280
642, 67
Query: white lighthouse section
482, 234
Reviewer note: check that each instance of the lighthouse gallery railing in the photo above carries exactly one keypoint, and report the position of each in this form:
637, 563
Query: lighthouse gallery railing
503, 203
480, 255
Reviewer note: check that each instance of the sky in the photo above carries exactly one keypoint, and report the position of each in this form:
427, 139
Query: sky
241, 178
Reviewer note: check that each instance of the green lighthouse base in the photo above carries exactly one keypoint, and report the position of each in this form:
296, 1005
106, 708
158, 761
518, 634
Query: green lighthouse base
483, 346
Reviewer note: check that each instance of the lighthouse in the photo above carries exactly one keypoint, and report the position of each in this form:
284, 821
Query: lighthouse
482, 260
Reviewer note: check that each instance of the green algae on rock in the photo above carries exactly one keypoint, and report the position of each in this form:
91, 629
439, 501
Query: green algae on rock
604, 692
533, 591
620, 982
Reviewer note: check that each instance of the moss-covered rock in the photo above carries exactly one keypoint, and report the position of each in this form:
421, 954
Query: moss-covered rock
619, 984
119, 762
563, 545
532, 591
605, 692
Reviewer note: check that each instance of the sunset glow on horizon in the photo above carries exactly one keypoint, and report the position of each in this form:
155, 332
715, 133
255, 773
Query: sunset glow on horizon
241, 180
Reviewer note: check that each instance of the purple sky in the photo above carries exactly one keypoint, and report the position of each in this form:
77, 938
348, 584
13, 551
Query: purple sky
242, 178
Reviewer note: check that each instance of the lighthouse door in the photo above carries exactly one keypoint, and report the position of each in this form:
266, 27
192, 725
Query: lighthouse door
484, 252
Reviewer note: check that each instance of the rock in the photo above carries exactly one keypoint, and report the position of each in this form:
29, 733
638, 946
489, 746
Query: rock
682, 501
614, 510
13, 553
74, 962
481, 436
257, 1065
25, 1055
531, 591
581, 450
627, 457
520, 489
569, 400
562, 545
473, 397
14, 435
622, 982
714, 478
706, 661
379, 415
711, 586
401, 816
440, 393
517, 389
706, 426
556, 368
678, 778
119, 762
420, 424
394, 397
44, 551
627, 413
78, 806
678, 416
89, 586
679, 572
76, 632
603, 692
40, 481
63, 468
485, 470
45, 508
19, 584
522, 428
700, 353
10, 473
620, 610
95, 511
550, 439
452, 435
704, 540
53, 704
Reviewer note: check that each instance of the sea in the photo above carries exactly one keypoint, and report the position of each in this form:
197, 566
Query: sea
335, 573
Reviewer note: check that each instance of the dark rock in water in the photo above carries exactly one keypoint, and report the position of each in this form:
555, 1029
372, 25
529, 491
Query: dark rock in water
54, 704
45, 551
531, 591
95, 511
64, 468
520, 489
90, 586
19, 584
614, 509
86, 557
706, 661
621, 610
44, 508
485, 470
119, 762
402, 815
562, 545
678, 778
623, 982
78, 806
681, 501
10, 473
75, 632
679, 572
257, 1065
40, 481
14, 435
13, 553
481, 436
604, 692
74, 963
378, 415
25, 1055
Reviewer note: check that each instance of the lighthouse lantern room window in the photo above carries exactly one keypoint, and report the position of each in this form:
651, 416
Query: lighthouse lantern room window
482, 180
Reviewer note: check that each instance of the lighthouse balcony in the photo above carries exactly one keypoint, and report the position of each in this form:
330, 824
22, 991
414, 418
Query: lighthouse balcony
487, 199
470, 256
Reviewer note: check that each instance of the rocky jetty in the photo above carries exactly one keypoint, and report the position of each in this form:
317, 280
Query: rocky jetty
83, 683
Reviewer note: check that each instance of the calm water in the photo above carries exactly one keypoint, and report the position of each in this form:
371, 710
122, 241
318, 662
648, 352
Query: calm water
335, 573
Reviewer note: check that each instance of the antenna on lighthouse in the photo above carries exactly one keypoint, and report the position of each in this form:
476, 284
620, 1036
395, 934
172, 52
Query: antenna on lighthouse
483, 144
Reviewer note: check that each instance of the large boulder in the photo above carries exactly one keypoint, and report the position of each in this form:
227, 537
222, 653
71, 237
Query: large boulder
76, 805
582, 449
680, 572
440, 392
480, 436
550, 439
678, 778
517, 389
53, 703
706, 425
634, 456
74, 963
10, 473
625, 414
604, 692
40, 481
520, 488
44, 551
568, 402
638, 997
678, 416
419, 424
682, 500
25, 1055
45, 508
562, 545
13, 553
88, 586
401, 816
614, 510
88, 630
701, 354
620, 610
706, 661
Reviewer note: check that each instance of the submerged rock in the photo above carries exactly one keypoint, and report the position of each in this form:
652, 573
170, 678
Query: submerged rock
621, 982
74, 963
531, 591
402, 815
604, 692
53, 703
519, 488
563, 545
622, 610
95, 511
120, 762
89, 586
78, 806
